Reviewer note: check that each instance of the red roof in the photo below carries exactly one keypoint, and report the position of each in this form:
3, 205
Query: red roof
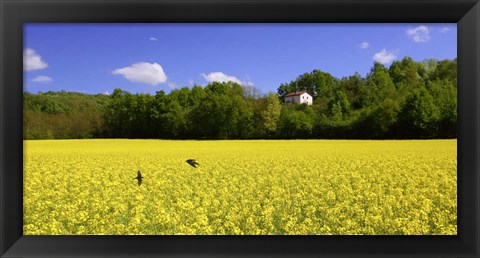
295, 93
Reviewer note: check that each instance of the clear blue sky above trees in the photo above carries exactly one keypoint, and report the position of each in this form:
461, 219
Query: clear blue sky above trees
145, 58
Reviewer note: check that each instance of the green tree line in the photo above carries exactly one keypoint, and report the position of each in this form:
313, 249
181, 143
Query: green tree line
409, 99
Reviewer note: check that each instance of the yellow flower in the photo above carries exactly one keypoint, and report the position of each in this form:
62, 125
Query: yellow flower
260, 187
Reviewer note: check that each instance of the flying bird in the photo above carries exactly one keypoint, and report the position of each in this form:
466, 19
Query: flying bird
139, 177
192, 163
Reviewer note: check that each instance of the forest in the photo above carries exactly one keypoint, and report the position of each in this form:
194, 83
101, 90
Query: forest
407, 100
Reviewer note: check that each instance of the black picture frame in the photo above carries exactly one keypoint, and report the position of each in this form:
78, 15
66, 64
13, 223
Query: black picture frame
14, 13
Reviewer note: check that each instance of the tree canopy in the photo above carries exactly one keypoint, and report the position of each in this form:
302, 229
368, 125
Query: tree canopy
409, 99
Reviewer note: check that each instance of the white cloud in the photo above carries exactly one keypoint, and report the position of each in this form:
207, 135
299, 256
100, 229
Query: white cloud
364, 45
106, 93
444, 30
153, 39
148, 73
248, 84
220, 77
419, 34
172, 85
191, 82
385, 56
32, 61
42, 78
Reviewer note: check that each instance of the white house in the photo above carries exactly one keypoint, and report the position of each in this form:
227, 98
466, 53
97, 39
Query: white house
298, 97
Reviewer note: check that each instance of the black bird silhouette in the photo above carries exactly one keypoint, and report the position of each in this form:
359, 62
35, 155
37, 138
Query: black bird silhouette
192, 163
139, 177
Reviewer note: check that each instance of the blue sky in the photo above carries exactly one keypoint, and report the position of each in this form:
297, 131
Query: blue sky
145, 58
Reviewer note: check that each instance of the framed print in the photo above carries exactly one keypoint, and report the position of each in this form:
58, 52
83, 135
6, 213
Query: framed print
238, 128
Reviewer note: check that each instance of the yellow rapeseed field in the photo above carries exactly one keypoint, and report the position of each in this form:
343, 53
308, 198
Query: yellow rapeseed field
323, 187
